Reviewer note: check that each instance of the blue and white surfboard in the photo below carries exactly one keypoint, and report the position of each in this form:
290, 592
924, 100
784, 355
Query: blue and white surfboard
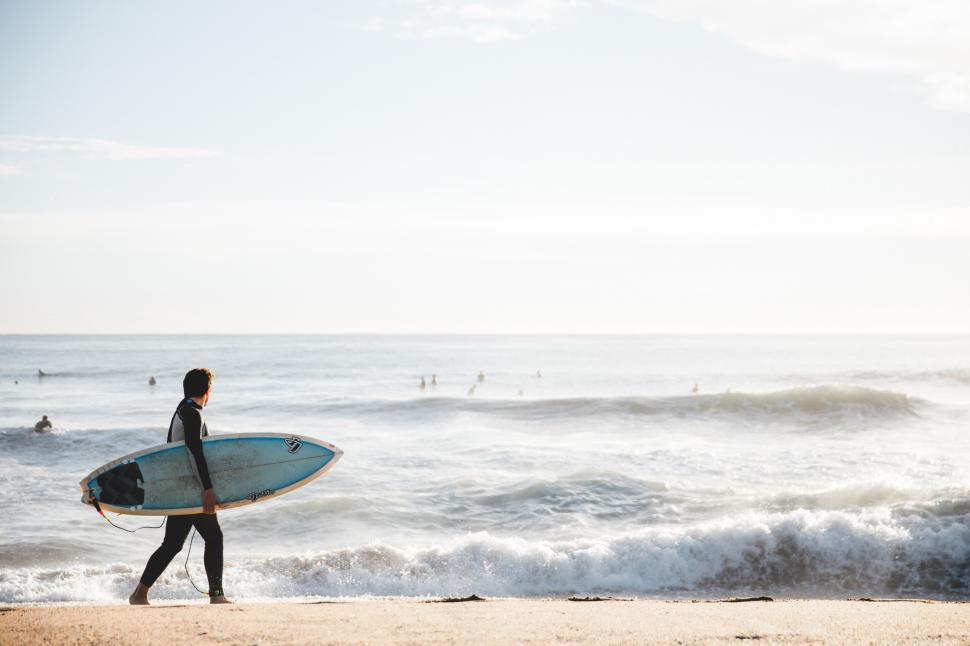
245, 468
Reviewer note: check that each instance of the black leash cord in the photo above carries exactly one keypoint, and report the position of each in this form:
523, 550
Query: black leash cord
130, 531
187, 566
97, 506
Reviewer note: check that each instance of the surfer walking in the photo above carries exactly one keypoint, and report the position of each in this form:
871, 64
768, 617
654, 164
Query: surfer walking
188, 424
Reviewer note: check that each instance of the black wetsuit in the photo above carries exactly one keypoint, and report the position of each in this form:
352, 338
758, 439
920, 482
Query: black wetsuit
187, 424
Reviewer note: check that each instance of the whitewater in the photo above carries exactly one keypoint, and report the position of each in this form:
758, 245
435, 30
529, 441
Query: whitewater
816, 466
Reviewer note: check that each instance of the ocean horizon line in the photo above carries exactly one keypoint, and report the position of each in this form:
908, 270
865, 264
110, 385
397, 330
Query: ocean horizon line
492, 334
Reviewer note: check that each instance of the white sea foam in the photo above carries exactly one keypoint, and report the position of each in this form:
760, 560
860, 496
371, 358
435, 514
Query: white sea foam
796, 553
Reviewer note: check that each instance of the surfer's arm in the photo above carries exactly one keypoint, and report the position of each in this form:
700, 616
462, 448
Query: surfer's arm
192, 422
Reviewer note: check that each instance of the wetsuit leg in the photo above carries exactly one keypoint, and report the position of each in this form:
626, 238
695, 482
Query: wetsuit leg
176, 529
211, 533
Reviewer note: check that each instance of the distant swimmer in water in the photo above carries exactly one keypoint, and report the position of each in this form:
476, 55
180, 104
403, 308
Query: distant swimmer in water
471, 391
694, 389
434, 380
151, 381
423, 384
538, 374
43, 425
481, 376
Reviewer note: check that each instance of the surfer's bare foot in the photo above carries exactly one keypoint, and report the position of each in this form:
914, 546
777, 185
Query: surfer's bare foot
139, 597
220, 599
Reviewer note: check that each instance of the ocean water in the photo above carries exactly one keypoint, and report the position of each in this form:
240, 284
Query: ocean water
803, 466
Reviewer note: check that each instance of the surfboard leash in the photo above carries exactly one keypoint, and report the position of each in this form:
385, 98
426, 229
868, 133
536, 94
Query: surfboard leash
97, 506
189, 576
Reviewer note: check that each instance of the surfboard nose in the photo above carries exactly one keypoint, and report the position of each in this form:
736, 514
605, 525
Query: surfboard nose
337, 451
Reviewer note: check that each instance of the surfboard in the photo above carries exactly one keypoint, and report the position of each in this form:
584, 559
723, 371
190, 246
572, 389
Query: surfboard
245, 468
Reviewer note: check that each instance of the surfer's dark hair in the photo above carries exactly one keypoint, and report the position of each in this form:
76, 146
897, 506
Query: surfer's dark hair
197, 382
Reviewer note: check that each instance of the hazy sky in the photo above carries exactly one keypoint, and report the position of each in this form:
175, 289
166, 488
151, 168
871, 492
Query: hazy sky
447, 166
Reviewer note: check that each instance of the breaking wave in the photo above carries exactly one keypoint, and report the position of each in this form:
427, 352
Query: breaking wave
805, 401
803, 553
957, 375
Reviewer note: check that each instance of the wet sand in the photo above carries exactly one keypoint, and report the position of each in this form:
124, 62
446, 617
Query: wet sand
500, 621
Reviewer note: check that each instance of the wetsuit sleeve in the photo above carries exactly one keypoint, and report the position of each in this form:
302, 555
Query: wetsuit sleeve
192, 422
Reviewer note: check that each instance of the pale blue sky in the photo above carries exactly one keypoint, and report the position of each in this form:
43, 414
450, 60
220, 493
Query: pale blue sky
448, 166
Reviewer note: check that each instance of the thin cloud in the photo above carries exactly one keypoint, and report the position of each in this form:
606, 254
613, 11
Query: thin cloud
89, 148
482, 22
926, 43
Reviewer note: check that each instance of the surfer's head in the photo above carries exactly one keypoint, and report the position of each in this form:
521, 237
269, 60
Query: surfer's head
198, 383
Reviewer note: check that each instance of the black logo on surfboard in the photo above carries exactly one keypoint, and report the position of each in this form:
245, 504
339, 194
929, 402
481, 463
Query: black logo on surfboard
293, 443
256, 495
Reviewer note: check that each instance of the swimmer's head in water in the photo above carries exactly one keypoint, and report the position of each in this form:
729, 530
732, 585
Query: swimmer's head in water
198, 382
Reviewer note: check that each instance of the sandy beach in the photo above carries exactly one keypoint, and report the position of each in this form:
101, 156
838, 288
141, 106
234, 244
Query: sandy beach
501, 621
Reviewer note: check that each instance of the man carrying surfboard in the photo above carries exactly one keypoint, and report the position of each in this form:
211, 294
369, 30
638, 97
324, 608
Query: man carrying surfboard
188, 424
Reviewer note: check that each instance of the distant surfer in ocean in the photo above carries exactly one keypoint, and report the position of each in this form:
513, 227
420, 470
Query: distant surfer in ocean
41, 373
424, 384
189, 425
151, 381
481, 376
43, 425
